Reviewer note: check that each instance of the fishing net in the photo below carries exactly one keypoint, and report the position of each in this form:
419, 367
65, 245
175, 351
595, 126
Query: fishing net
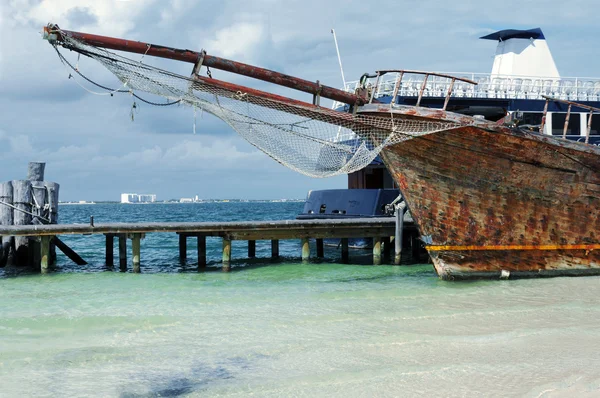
313, 140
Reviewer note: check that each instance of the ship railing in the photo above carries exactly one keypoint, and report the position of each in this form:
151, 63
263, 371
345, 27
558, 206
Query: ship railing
570, 104
435, 85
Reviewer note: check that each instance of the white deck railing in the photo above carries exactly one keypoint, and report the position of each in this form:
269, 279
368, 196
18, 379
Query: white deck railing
488, 86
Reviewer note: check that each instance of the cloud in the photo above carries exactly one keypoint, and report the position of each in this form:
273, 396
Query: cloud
239, 41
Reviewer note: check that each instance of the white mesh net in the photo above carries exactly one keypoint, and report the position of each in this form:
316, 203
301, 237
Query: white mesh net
315, 141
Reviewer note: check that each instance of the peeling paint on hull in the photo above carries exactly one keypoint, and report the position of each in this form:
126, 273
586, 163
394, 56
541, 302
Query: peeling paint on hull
494, 189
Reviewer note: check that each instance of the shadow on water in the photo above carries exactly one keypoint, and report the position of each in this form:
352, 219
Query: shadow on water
201, 376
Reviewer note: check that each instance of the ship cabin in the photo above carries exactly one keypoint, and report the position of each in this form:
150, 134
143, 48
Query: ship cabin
524, 86
523, 78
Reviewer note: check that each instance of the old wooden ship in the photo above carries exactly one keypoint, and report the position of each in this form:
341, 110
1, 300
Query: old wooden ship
492, 198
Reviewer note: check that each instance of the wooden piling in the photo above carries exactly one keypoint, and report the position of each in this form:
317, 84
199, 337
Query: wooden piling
39, 193
52, 189
110, 250
274, 248
320, 249
6, 219
415, 245
251, 248
305, 250
123, 252
386, 241
135, 252
376, 250
226, 254
35, 171
399, 229
45, 254
182, 247
22, 216
201, 252
345, 250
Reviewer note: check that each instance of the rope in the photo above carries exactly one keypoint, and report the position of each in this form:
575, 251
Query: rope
110, 90
24, 211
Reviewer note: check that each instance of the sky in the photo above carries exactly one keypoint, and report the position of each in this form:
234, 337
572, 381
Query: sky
96, 152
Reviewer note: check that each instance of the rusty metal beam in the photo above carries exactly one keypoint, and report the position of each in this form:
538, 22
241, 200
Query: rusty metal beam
449, 93
575, 104
589, 127
289, 105
211, 61
543, 124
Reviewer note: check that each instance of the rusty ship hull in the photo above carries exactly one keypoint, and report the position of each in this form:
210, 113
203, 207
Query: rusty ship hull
496, 202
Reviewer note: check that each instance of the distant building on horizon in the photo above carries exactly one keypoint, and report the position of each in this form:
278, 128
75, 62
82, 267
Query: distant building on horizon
137, 198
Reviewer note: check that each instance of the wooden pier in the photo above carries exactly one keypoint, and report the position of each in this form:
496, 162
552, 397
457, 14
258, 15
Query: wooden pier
382, 230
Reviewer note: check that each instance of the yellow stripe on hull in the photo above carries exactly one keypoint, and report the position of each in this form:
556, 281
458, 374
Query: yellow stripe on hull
513, 247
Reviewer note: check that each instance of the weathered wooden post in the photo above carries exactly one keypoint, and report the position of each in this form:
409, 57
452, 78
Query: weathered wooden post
110, 250
45, 254
226, 254
35, 171
305, 250
182, 247
345, 251
400, 209
6, 218
22, 216
387, 247
39, 216
415, 245
320, 251
52, 195
123, 252
135, 252
52, 189
274, 248
201, 252
39, 194
251, 248
376, 250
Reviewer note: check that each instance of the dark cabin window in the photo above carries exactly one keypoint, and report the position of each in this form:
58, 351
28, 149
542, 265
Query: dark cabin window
558, 123
531, 119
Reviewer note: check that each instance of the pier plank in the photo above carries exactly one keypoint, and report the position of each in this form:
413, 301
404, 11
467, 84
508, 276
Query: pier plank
383, 226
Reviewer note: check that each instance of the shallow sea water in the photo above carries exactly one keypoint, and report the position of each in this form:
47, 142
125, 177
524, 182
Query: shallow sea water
292, 329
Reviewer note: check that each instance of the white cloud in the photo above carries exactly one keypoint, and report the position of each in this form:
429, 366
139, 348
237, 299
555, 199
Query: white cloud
238, 41
21, 145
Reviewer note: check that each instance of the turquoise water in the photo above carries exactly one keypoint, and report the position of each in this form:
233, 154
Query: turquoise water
292, 329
